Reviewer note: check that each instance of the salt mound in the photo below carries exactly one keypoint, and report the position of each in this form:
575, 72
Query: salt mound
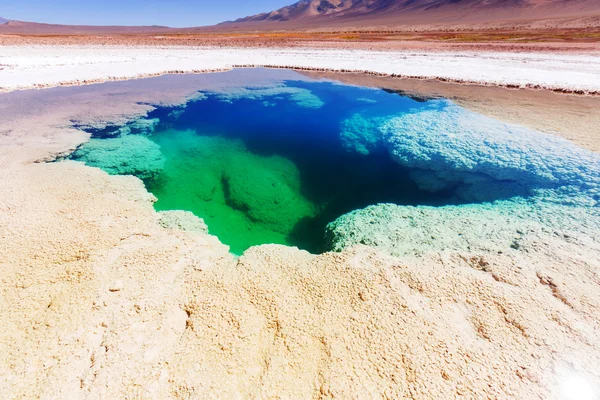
302, 97
273, 197
536, 182
184, 220
127, 155
483, 158
414, 231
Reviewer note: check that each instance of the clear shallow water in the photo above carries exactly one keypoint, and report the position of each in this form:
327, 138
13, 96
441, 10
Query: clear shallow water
276, 164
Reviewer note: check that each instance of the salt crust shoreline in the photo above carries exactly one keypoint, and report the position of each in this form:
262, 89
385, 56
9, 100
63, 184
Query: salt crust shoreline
25, 67
100, 300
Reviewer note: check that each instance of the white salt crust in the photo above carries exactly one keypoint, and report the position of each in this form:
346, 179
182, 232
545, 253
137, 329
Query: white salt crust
31, 66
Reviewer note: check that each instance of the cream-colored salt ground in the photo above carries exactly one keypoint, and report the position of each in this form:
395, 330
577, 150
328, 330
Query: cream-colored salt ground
99, 300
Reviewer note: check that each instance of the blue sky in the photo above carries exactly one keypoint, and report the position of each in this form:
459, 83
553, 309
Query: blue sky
176, 13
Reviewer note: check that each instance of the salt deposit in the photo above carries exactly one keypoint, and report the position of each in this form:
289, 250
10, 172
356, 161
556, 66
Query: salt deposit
41, 66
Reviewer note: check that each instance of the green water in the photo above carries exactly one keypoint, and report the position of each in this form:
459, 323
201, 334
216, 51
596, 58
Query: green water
246, 199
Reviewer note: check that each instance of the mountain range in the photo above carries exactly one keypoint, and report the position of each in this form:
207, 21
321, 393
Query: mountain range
375, 15
422, 12
24, 28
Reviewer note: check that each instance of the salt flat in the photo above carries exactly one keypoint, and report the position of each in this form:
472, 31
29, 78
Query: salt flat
32, 66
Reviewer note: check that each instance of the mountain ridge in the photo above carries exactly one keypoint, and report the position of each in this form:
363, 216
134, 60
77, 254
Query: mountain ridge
415, 12
368, 15
25, 27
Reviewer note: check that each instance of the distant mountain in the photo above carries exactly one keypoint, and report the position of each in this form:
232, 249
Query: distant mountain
421, 12
35, 28
302, 9
376, 15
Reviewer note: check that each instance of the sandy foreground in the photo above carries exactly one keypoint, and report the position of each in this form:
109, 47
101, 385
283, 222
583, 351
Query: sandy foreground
100, 300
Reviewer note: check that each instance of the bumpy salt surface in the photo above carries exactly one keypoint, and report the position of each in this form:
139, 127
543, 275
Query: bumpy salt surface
125, 155
277, 164
452, 146
536, 181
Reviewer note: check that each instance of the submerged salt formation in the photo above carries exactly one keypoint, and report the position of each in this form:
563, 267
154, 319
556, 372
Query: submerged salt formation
138, 126
273, 197
244, 198
484, 159
480, 158
360, 134
546, 181
126, 155
300, 96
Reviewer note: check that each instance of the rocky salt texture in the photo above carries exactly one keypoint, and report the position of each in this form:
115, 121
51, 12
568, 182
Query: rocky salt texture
140, 126
499, 227
484, 159
183, 220
101, 300
126, 155
118, 305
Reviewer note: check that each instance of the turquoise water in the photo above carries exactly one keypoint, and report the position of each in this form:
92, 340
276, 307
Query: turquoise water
277, 164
